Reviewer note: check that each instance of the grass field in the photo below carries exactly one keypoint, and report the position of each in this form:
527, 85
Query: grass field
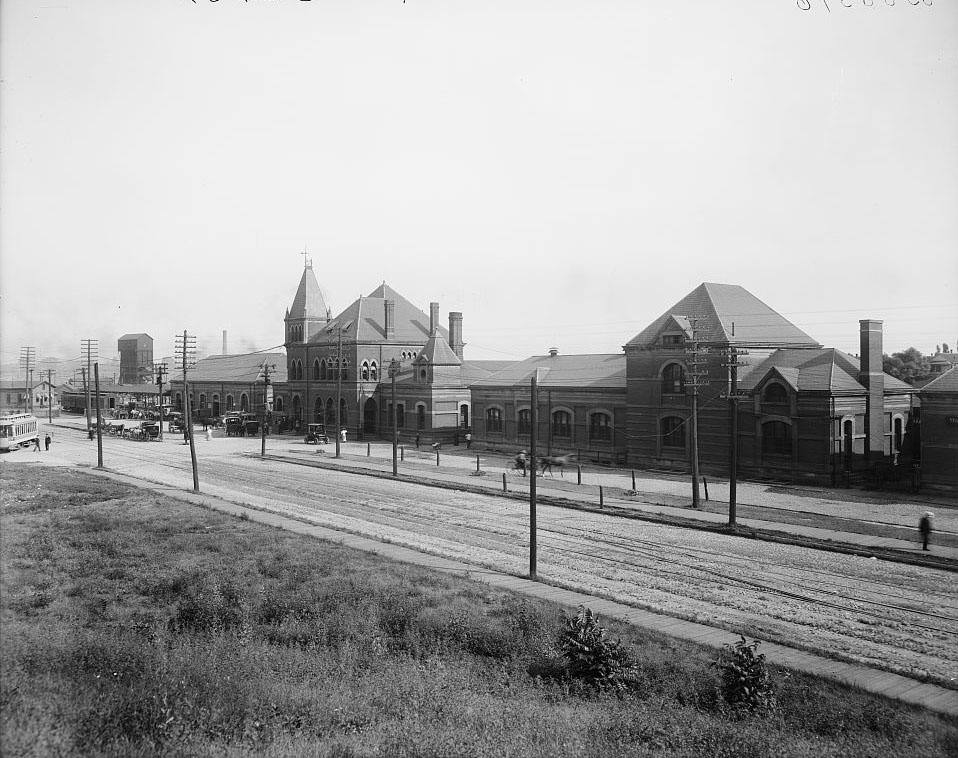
134, 625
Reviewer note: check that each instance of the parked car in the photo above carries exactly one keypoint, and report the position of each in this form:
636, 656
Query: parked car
316, 433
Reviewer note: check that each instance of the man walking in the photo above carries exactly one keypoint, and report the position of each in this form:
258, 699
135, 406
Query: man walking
46, 441
924, 529
36, 443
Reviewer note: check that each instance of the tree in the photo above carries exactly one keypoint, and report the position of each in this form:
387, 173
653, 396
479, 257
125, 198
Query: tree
909, 366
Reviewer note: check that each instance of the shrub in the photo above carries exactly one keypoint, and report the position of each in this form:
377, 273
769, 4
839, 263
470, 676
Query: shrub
746, 682
591, 655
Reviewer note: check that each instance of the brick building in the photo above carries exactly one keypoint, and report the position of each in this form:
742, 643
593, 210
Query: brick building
939, 432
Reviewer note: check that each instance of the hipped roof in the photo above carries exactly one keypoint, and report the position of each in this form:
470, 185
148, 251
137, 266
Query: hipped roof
729, 315
947, 382
818, 370
364, 321
603, 370
246, 367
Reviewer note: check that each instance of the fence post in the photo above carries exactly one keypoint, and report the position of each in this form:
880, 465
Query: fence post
504, 487
578, 471
633, 480
437, 456
368, 446
601, 496
477, 464
402, 453
706, 482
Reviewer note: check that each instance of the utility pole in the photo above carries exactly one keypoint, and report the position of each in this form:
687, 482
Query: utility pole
339, 388
159, 369
533, 461
50, 374
267, 403
89, 347
393, 370
99, 419
695, 380
733, 365
186, 350
28, 356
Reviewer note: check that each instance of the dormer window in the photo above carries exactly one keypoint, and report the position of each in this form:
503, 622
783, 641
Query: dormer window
672, 340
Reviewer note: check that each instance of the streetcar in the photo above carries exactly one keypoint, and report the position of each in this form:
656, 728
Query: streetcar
17, 430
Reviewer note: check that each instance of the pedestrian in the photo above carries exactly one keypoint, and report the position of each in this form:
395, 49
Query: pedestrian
342, 435
209, 434
46, 441
36, 442
468, 440
924, 529
417, 442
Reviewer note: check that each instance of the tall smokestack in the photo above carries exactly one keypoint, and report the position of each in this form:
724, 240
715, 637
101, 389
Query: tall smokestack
433, 318
390, 318
455, 333
224, 342
870, 374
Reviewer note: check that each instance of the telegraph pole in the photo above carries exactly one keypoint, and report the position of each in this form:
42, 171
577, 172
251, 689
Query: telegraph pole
50, 373
99, 420
733, 365
393, 370
267, 403
89, 347
159, 369
186, 349
339, 388
27, 357
532, 482
696, 379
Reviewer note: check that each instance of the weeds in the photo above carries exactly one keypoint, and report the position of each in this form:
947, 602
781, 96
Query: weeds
591, 655
746, 682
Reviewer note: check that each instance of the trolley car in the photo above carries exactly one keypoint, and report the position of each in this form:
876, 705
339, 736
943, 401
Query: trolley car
17, 430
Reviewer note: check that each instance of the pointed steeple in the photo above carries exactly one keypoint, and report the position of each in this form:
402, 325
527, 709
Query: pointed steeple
309, 311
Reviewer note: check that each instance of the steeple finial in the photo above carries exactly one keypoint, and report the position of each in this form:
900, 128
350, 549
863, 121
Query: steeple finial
307, 262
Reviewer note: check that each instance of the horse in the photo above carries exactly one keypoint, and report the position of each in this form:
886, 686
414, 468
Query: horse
548, 461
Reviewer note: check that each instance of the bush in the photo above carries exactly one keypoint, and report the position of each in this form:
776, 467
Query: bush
591, 655
746, 682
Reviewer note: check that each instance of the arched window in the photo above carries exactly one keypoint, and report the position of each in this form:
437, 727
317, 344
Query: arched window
374, 371
216, 405
494, 420
299, 370
898, 433
343, 414
202, 400
316, 368
244, 402
323, 370
776, 438
672, 432
229, 403
562, 424
330, 418
600, 427
420, 417
278, 402
178, 401
365, 371
345, 370
525, 421
297, 408
318, 410
673, 379
775, 393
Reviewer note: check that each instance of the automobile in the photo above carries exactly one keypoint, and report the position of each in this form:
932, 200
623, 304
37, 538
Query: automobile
177, 423
316, 433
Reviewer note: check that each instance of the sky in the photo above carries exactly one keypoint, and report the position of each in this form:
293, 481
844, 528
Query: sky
561, 173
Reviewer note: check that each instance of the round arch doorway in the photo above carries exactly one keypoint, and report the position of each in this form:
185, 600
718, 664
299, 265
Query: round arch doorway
369, 416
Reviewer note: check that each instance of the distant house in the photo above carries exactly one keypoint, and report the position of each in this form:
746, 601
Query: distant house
17, 395
939, 363
136, 358
939, 431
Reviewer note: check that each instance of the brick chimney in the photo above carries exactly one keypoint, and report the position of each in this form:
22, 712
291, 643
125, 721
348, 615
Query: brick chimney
433, 318
455, 333
390, 318
870, 374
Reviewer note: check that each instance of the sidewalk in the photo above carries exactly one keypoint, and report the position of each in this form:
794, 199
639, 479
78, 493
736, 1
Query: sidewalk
894, 686
452, 472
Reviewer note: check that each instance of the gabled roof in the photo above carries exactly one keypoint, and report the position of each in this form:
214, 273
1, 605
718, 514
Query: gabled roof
247, 367
945, 358
730, 315
309, 302
947, 382
135, 337
821, 370
605, 370
437, 352
364, 321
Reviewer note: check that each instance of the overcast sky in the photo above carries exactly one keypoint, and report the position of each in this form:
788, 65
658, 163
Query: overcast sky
560, 172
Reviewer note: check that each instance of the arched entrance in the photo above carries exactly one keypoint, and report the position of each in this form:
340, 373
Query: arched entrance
369, 417
318, 411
